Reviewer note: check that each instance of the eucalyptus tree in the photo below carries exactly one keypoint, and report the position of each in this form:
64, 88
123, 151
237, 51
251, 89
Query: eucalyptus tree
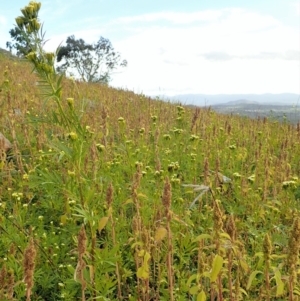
89, 62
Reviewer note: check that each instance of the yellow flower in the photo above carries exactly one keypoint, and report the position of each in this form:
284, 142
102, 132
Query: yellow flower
73, 136
71, 173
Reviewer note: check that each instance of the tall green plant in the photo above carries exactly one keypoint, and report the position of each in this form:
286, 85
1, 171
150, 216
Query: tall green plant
42, 61
74, 146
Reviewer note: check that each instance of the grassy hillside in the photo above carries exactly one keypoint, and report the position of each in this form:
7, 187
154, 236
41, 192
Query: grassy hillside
110, 214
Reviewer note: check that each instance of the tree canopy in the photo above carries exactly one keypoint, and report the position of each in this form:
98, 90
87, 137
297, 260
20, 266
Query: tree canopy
90, 62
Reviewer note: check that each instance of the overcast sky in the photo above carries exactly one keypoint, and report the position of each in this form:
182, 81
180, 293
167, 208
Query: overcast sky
179, 47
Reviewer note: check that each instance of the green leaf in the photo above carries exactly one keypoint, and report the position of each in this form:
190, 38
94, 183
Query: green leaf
201, 296
296, 291
143, 272
216, 267
202, 236
279, 283
194, 290
225, 235
102, 223
191, 278
160, 234
147, 257
59, 81
244, 265
58, 92
129, 201
252, 277
138, 243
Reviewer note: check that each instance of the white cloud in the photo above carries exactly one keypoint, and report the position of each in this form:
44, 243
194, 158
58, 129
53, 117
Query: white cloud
173, 17
237, 52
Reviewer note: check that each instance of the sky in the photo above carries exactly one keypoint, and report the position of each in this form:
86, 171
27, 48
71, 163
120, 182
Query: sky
183, 47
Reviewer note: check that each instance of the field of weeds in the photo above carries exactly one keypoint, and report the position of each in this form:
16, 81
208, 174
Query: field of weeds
109, 195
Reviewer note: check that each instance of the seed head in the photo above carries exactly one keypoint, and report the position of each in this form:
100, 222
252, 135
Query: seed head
82, 239
218, 217
29, 265
294, 245
109, 195
267, 247
167, 195
231, 228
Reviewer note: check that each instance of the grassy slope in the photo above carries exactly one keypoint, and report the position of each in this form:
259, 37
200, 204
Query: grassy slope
155, 141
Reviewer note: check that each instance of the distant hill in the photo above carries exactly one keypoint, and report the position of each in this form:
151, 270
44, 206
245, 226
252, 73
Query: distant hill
6, 53
252, 109
254, 106
238, 103
209, 100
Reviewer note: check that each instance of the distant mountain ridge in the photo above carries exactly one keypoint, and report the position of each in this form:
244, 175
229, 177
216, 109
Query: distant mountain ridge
218, 99
276, 111
6, 53
238, 102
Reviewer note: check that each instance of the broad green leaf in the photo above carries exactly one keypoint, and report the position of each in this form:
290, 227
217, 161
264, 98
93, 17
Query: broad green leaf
225, 235
138, 243
142, 196
147, 257
129, 201
142, 272
109, 211
216, 267
201, 296
191, 278
279, 283
280, 256
260, 262
252, 277
243, 291
160, 234
202, 236
102, 223
244, 265
194, 290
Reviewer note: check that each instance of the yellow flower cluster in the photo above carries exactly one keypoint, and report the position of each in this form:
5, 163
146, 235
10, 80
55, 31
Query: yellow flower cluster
29, 21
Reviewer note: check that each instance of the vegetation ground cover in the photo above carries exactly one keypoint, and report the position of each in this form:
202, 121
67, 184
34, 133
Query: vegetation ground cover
109, 195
